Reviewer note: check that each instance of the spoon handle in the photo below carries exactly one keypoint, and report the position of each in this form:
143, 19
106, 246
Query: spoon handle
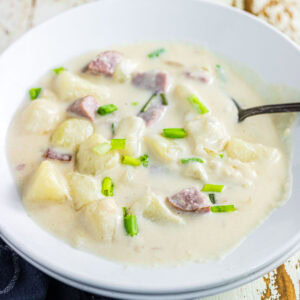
268, 109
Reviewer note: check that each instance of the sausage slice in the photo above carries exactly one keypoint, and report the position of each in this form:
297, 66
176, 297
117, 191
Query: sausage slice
154, 81
203, 76
153, 114
51, 154
105, 63
85, 107
190, 199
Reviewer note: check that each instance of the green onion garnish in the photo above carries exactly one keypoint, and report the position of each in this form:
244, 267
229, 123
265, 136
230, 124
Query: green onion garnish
130, 223
59, 70
147, 104
34, 93
107, 187
102, 148
113, 128
221, 155
156, 53
144, 160
213, 188
118, 144
198, 105
131, 161
174, 133
192, 159
106, 109
134, 103
222, 208
221, 72
164, 99
212, 198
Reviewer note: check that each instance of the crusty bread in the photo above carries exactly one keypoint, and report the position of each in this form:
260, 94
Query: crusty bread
283, 14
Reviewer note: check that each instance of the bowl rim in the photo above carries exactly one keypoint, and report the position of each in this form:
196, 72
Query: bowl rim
295, 241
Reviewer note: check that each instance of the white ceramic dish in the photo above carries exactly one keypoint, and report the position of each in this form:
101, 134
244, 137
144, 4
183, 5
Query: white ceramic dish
227, 31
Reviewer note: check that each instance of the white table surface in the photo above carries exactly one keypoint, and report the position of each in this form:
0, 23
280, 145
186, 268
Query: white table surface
17, 16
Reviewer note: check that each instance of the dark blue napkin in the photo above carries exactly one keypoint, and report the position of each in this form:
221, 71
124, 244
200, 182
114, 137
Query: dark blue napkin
21, 281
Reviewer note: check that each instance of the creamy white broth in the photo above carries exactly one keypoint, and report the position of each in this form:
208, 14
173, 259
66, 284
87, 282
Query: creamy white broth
250, 186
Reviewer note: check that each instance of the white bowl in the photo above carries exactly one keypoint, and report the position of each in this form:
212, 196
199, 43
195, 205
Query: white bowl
234, 34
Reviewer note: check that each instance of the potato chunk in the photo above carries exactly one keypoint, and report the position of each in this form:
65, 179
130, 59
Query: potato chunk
206, 132
131, 129
84, 189
41, 116
195, 170
164, 150
101, 218
124, 70
70, 87
154, 208
89, 162
182, 92
47, 186
247, 152
71, 133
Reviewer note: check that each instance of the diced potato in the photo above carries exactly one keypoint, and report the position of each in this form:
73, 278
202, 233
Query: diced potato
101, 218
48, 94
247, 152
70, 87
231, 171
84, 189
131, 129
89, 162
154, 208
165, 150
207, 132
124, 70
71, 133
47, 186
182, 92
195, 170
41, 116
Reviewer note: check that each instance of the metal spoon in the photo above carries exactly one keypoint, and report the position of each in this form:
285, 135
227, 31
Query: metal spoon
265, 109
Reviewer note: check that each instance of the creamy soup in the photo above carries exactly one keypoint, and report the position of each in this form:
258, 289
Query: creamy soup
135, 153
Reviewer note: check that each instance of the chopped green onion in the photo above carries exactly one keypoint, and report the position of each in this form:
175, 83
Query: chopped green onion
34, 93
156, 53
164, 99
221, 155
113, 128
222, 208
59, 70
213, 188
107, 187
147, 104
130, 223
106, 109
102, 148
125, 211
198, 105
192, 159
221, 72
174, 133
131, 161
144, 160
134, 103
118, 144
212, 198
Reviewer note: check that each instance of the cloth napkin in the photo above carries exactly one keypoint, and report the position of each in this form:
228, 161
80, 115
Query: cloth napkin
21, 281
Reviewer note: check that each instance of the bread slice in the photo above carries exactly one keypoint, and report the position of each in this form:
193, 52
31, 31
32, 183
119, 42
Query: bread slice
283, 14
